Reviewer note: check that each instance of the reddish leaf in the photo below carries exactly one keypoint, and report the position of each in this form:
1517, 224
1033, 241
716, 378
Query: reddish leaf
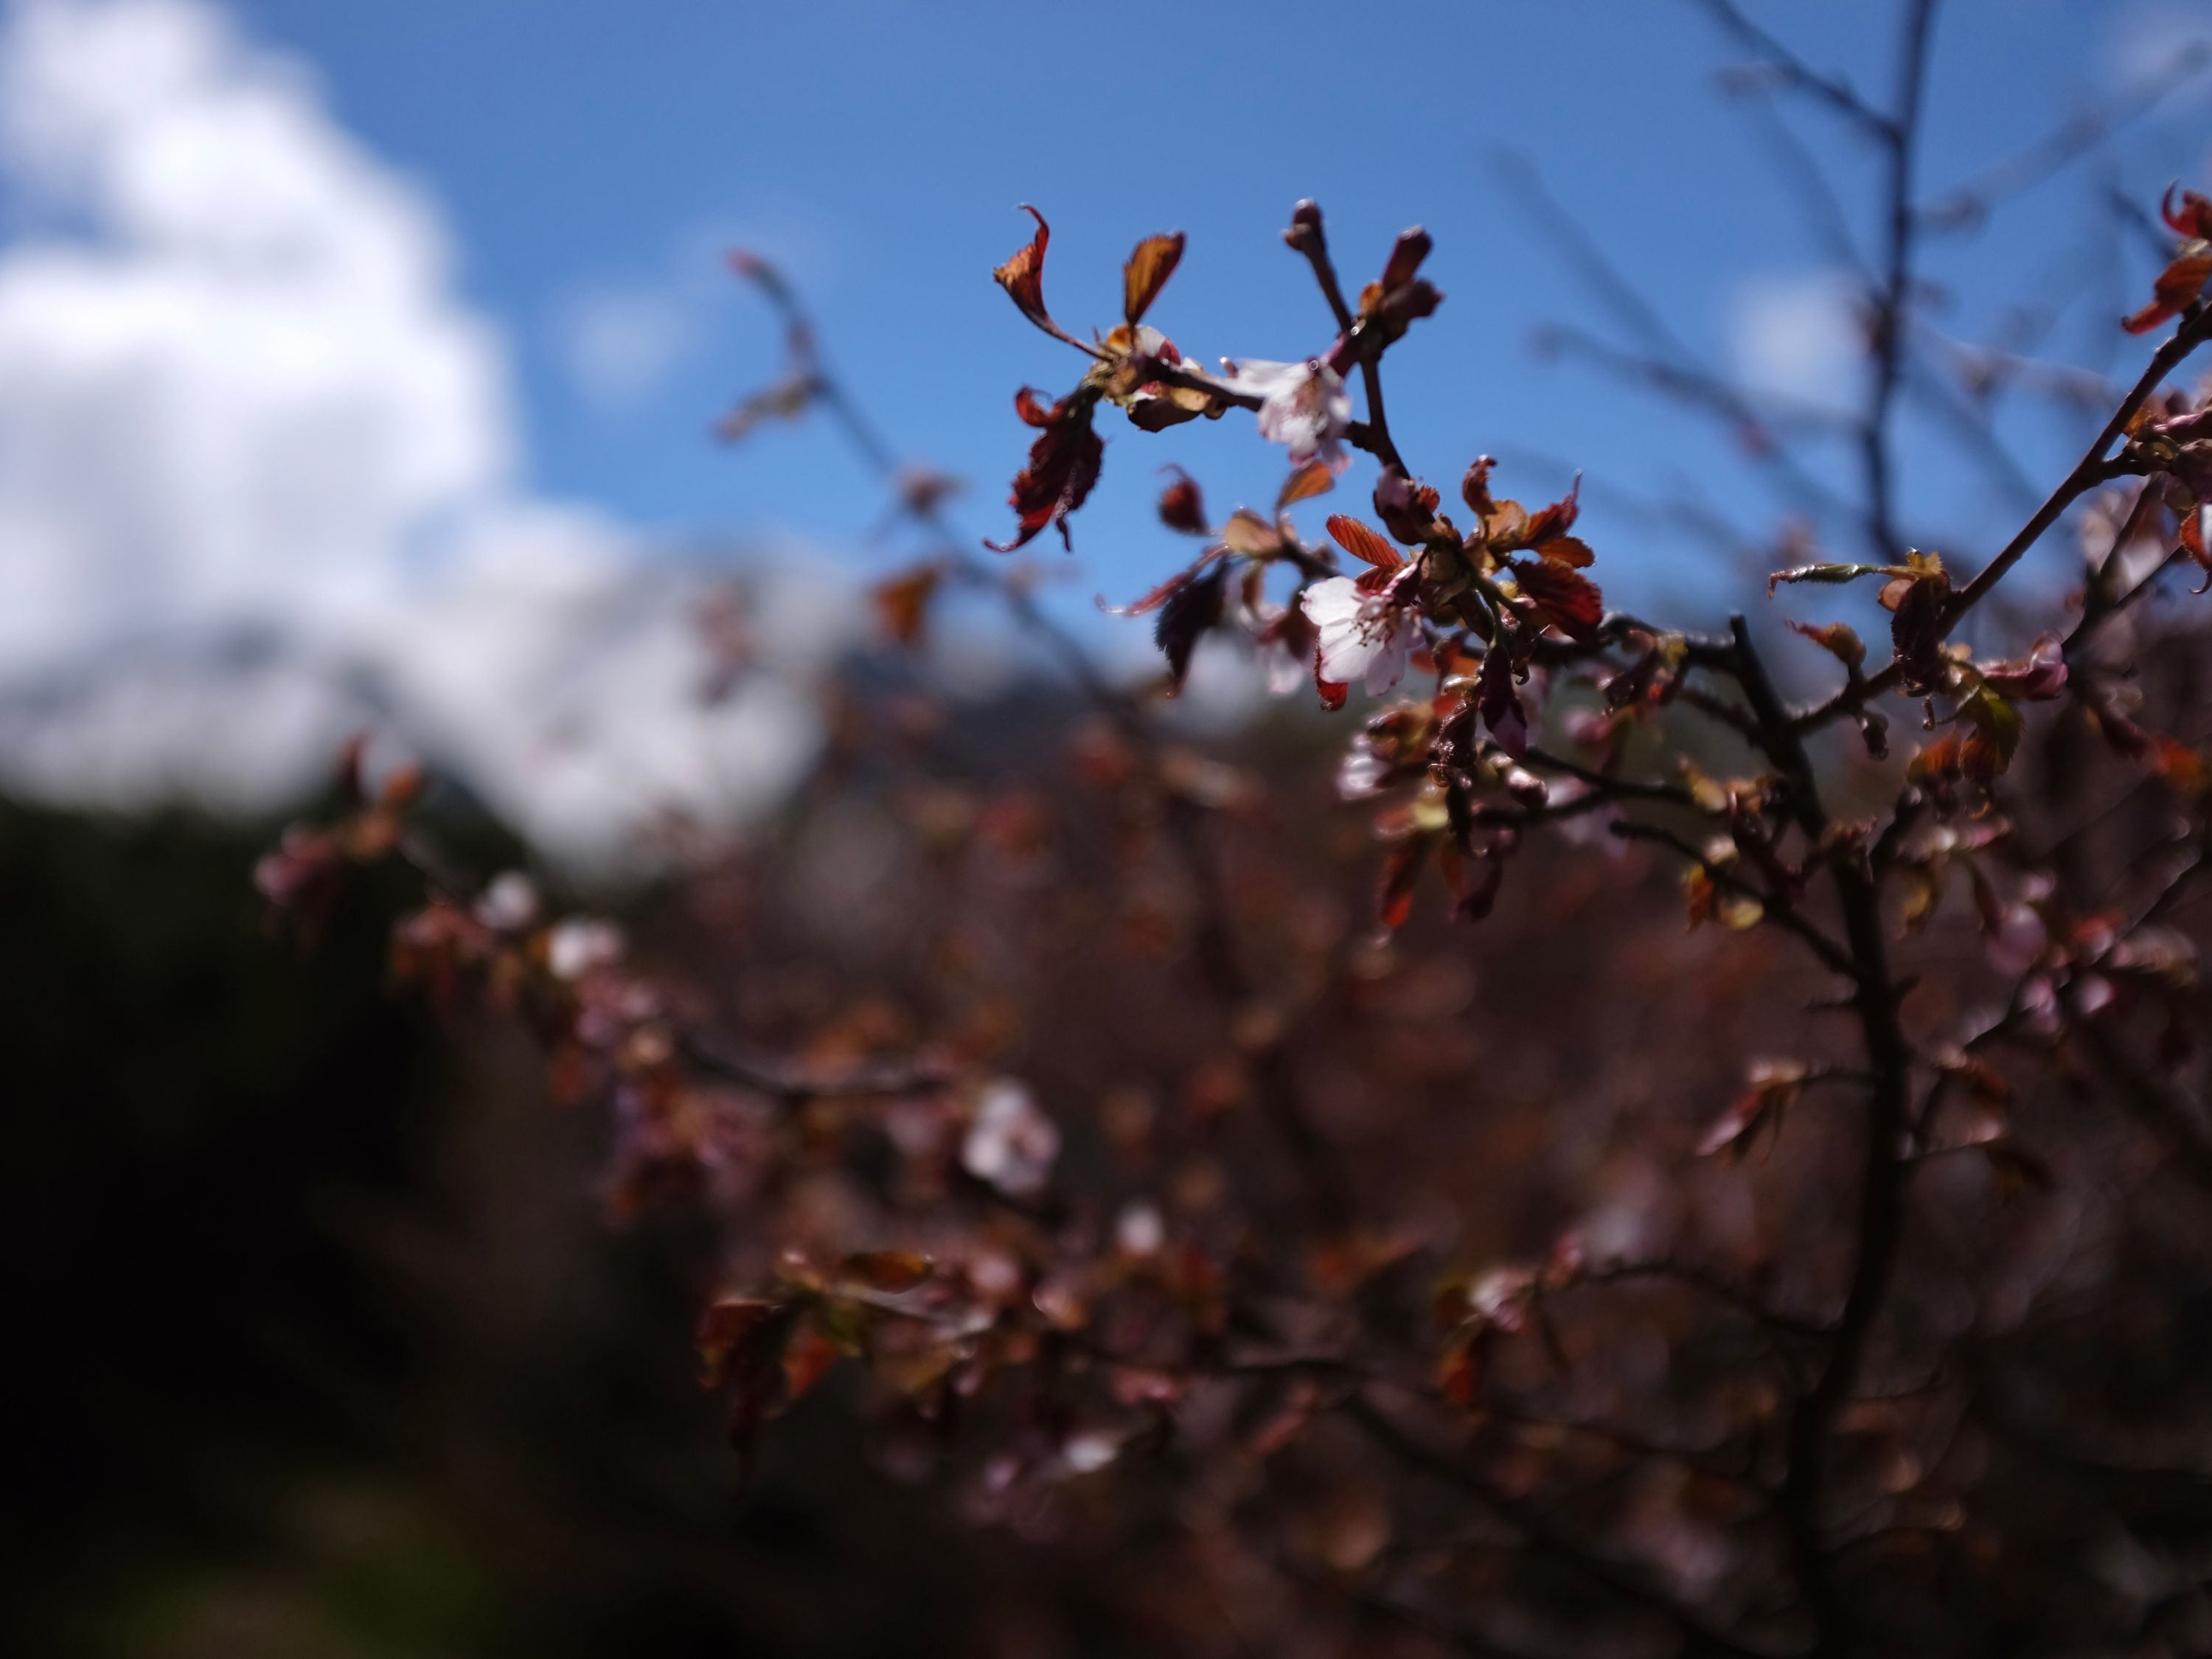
1474, 883
1063, 465
1569, 600
1363, 543
1022, 276
2194, 218
1837, 639
1401, 871
1145, 275
1474, 486
1160, 595
2178, 285
1314, 479
1181, 507
1556, 520
1499, 702
902, 602
1190, 610
2037, 676
806, 1361
1916, 627
888, 1271
1248, 533
1943, 757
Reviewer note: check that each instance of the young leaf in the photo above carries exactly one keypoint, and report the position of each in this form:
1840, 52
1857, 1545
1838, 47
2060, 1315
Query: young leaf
1063, 465
1314, 479
2037, 676
1401, 871
1827, 573
2176, 287
1248, 533
2193, 219
1363, 543
1555, 521
1146, 273
1499, 702
1569, 600
1181, 507
1023, 275
1916, 627
1990, 747
1192, 609
1837, 639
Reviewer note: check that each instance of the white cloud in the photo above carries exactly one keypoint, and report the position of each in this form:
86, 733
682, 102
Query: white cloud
258, 474
619, 345
1798, 337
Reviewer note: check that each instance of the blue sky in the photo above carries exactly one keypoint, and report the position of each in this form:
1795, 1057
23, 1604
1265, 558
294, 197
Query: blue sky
357, 363
589, 155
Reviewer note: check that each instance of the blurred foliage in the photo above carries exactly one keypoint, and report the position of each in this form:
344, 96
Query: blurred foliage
323, 1348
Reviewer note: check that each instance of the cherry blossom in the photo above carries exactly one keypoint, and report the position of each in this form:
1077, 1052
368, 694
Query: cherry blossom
1364, 637
1303, 406
1011, 1145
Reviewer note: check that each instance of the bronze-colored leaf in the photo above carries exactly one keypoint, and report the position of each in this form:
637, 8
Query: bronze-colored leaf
1312, 479
1190, 610
1182, 506
1146, 273
1401, 871
2178, 285
1023, 275
1837, 639
902, 602
1569, 600
1498, 701
1556, 520
1364, 543
1063, 465
1916, 627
